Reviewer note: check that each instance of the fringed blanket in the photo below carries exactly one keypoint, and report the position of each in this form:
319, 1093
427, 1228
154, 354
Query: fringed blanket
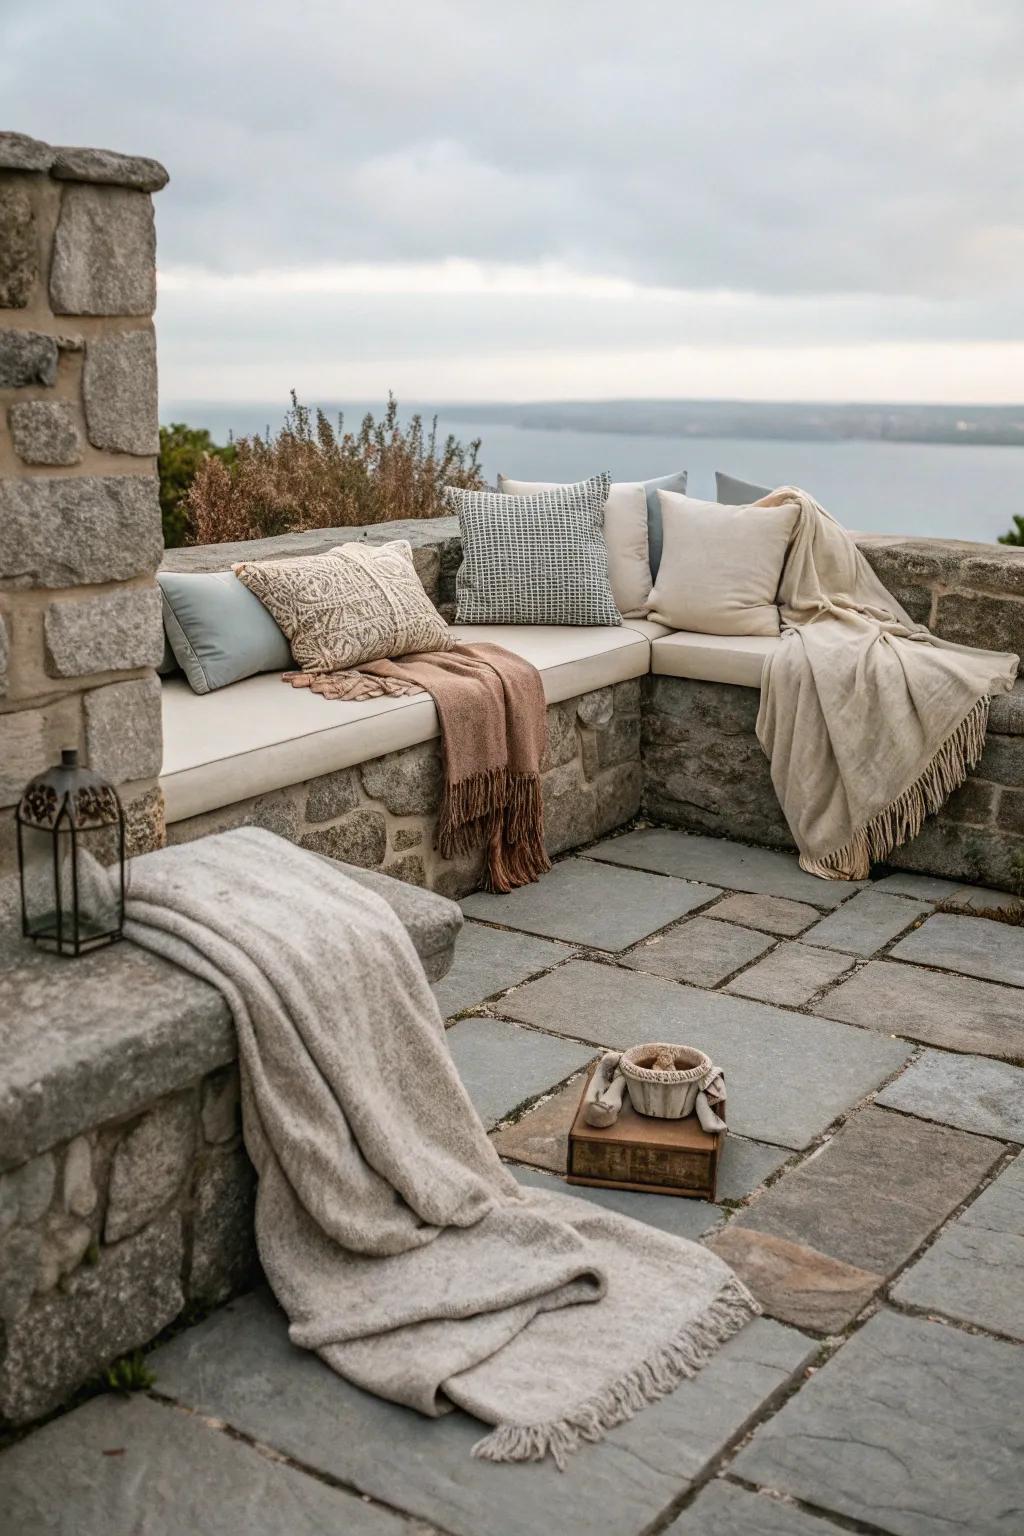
493, 717
869, 721
401, 1249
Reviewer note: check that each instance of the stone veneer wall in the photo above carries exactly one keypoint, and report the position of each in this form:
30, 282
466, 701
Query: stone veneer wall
80, 535
383, 814
106, 1238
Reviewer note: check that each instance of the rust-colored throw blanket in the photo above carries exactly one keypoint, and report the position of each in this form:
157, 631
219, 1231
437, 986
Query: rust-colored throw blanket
493, 717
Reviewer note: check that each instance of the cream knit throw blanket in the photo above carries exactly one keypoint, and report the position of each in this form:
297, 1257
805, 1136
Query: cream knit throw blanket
401, 1249
869, 721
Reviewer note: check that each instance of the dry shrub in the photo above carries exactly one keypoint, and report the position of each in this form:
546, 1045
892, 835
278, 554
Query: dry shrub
313, 476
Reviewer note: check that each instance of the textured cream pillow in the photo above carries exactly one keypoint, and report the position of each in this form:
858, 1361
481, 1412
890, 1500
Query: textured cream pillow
358, 602
625, 537
720, 566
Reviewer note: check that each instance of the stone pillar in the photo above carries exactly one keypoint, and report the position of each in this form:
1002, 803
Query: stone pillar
80, 534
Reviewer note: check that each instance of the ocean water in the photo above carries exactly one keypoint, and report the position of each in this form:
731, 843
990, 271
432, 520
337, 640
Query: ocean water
935, 490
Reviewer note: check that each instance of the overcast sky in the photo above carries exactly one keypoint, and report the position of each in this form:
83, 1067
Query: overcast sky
542, 199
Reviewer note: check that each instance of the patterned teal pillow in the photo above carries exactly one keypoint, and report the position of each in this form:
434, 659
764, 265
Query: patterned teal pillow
534, 559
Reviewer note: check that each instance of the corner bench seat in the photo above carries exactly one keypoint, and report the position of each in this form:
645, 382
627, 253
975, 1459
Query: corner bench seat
259, 735
737, 659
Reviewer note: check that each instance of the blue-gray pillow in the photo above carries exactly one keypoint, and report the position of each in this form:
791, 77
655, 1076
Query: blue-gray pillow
737, 493
676, 482
218, 630
534, 559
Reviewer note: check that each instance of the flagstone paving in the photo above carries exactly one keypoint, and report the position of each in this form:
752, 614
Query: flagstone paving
791, 975
867, 922
975, 1272
913, 1427
856, 1193
239, 1367
699, 951
502, 1066
488, 961
788, 1075
957, 1013
587, 903
970, 1092
719, 862
774, 914
975, 946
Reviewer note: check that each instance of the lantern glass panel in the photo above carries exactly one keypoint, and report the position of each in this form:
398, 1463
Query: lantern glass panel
72, 886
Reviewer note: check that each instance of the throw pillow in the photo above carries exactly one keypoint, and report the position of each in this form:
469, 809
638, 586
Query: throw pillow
721, 566
676, 482
358, 602
218, 632
625, 537
738, 493
534, 559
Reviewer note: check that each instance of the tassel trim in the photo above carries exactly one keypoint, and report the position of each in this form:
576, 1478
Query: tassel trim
505, 812
904, 817
678, 1359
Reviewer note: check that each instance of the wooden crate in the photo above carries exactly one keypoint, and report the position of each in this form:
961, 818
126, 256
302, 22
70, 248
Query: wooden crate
656, 1157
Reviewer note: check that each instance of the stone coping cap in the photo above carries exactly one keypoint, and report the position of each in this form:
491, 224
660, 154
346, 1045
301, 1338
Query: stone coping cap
421, 532
19, 152
84, 1041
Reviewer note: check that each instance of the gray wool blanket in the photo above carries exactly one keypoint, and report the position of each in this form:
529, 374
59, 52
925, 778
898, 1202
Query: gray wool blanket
400, 1248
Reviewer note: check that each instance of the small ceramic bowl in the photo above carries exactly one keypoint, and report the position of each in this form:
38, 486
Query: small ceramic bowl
664, 1080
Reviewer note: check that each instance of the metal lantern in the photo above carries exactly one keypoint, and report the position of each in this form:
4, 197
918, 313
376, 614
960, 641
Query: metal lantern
71, 859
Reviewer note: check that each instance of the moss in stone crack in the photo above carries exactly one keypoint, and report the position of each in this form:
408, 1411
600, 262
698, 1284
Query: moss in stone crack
129, 1374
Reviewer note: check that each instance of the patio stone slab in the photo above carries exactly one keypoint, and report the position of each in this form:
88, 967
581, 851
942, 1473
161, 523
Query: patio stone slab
924, 887
588, 903
487, 960
681, 1218
118, 1465
794, 1282
790, 975
975, 946
955, 1012
724, 1509
698, 951
239, 1366
540, 1138
981, 899
720, 862
912, 1427
789, 1075
775, 914
975, 1272
502, 1066
875, 1192
972, 1093
863, 925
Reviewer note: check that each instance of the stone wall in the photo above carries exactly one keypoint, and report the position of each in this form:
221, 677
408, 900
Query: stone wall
80, 533
704, 770
107, 1237
383, 814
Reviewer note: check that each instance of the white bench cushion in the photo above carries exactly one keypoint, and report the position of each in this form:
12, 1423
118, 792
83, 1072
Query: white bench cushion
713, 658
259, 735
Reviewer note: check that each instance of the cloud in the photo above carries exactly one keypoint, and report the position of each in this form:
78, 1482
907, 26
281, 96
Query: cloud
537, 178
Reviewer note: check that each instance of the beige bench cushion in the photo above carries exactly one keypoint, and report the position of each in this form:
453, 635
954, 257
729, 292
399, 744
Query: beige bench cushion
713, 658
259, 735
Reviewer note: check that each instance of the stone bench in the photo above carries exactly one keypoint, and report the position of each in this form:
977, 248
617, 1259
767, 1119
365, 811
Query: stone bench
125, 1193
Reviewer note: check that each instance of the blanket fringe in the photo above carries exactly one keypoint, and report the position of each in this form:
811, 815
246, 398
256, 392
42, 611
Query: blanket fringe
904, 817
505, 812
679, 1358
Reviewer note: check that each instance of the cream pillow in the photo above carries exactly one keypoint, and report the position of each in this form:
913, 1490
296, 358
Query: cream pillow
625, 537
720, 566
356, 603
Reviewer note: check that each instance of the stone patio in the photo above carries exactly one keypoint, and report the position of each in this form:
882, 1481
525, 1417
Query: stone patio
870, 1193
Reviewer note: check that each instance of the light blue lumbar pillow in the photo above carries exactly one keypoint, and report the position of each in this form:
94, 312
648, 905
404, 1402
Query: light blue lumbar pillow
676, 482
218, 630
737, 493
